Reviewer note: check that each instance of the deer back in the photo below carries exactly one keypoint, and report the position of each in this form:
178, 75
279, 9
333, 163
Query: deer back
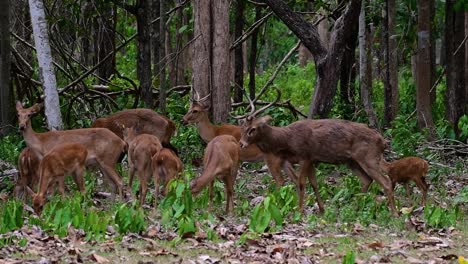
405, 169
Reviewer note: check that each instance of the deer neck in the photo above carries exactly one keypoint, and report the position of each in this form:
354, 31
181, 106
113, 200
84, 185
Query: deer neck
32, 140
206, 129
273, 140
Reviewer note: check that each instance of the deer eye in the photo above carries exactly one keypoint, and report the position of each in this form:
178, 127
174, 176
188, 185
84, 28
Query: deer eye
251, 131
195, 111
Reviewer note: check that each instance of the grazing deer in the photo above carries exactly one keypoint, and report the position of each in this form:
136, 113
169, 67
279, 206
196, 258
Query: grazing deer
61, 160
145, 121
166, 166
141, 148
28, 167
407, 169
221, 161
326, 140
104, 147
198, 115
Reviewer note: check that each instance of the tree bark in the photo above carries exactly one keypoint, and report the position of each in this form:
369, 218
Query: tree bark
155, 39
6, 97
253, 55
143, 8
201, 62
346, 76
423, 98
44, 56
238, 52
105, 39
162, 53
221, 100
365, 68
327, 61
390, 64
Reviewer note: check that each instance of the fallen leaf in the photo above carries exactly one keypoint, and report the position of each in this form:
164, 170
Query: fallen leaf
375, 245
98, 259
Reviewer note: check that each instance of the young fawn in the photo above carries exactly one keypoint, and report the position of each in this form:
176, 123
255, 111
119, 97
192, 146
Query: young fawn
68, 158
166, 166
221, 161
141, 148
407, 169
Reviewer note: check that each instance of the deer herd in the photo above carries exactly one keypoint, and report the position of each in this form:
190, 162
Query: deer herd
145, 135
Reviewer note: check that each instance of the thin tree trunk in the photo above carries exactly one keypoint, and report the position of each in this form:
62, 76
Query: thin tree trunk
105, 39
390, 64
162, 53
144, 51
221, 101
44, 56
238, 52
253, 55
365, 68
423, 98
201, 63
6, 98
433, 50
155, 39
346, 92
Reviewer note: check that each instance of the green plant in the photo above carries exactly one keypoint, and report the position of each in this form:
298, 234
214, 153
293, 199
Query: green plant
349, 258
11, 216
264, 213
438, 217
129, 219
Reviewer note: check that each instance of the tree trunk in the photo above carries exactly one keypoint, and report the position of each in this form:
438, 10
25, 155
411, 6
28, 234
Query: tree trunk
155, 39
6, 97
326, 61
162, 53
346, 85
221, 100
44, 56
144, 51
238, 52
423, 75
390, 64
365, 67
454, 35
253, 55
433, 50
201, 63
105, 39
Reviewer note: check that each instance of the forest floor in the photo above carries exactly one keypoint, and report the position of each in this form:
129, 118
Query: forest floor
410, 242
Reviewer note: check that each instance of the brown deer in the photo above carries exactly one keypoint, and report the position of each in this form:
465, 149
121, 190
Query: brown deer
221, 161
407, 169
326, 140
141, 148
198, 115
104, 147
28, 167
166, 166
145, 121
61, 160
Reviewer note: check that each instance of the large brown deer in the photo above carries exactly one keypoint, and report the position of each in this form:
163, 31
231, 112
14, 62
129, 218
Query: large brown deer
221, 161
166, 167
141, 148
104, 147
409, 169
198, 115
326, 140
61, 160
145, 121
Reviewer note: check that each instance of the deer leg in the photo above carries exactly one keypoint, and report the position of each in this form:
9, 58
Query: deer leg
156, 187
289, 170
310, 168
111, 173
421, 183
372, 168
61, 186
274, 166
362, 175
79, 180
301, 186
131, 174
228, 185
143, 187
210, 197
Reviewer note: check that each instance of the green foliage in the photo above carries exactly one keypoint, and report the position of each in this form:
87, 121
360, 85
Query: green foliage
438, 217
463, 127
11, 216
130, 219
177, 208
349, 258
405, 136
10, 148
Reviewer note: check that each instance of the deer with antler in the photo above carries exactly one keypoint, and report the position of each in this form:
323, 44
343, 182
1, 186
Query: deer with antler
324, 140
198, 115
103, 147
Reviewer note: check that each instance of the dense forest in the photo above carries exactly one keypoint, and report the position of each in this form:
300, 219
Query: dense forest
169, 77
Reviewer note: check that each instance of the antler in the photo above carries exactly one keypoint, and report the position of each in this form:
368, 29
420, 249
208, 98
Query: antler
253, 113
198, 100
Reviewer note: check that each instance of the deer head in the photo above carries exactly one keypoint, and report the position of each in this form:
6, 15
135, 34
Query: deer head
24, 114
253, 129
195, 113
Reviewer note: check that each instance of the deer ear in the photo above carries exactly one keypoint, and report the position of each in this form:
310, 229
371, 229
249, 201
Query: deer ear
37, 107
19, 105
206, 107
264, 120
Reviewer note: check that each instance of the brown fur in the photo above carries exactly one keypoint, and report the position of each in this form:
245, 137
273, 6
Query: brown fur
221, 161
327, 140
141, 148
166, 167
409, 169
28, 168
198, 115
104, 147
145, 121
68, 158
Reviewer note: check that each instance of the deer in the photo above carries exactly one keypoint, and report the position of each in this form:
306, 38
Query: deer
146, 121
141, 149
61, 160
221, 160
309, 142
409, 169
166, 166
103, 147
198, 115
28, 167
